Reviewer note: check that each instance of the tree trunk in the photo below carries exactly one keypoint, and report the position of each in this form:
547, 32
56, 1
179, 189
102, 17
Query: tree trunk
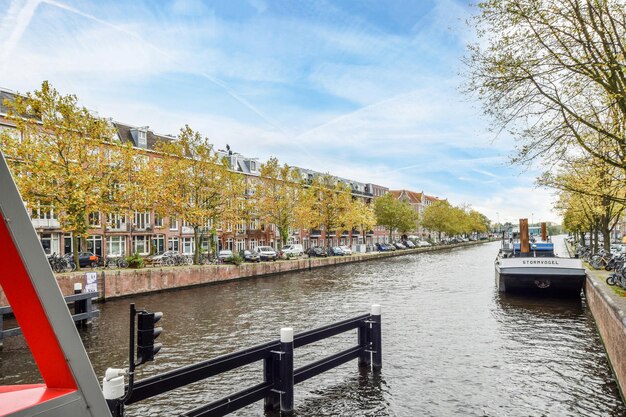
606, 233
196, 251
75, 250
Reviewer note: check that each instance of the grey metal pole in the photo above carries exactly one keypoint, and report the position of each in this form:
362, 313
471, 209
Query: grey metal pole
377, 345
286, 371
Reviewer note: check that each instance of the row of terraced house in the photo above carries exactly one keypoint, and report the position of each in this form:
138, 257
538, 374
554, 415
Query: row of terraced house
146, 233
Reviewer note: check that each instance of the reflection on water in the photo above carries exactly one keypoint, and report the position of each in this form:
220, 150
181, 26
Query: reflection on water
451, 344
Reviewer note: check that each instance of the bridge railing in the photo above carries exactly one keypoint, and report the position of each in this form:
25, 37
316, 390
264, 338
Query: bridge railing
84, 311
279, 375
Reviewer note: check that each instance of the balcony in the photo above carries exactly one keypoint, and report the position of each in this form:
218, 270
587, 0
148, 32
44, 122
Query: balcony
118, 227
355, 232
187, 230
46, 223
315, 233
345, 233
142, 228
369, 233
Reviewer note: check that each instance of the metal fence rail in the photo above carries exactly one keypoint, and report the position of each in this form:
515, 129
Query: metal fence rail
83, 312
278, 373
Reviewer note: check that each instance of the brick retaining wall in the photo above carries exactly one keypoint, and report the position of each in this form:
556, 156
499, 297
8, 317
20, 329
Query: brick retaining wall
124, 282
611, 323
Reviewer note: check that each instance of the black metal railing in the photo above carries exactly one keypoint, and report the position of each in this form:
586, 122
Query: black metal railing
83, 312
279, 376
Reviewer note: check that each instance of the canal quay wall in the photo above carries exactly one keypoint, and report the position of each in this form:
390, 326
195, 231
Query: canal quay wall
116, 283
608, 310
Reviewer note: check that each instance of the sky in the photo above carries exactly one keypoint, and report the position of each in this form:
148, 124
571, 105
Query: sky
363, 89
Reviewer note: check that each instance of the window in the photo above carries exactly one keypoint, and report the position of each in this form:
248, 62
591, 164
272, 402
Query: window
172, 244
43, 211
158, 220
142, 139
240, 227
173, 223
229, 244
159, 243
50, 243
94, 244
142, 220
252, 244
188, 246
141, 245
252, 166
116, 246
116, 221
241, 245
94, 219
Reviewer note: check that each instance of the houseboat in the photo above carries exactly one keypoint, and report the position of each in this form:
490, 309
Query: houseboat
531, 266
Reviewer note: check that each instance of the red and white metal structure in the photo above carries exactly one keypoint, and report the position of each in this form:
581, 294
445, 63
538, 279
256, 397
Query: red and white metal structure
70, 387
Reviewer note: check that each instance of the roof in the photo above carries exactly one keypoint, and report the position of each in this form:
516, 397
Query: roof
433, 199
412, 196
125, 135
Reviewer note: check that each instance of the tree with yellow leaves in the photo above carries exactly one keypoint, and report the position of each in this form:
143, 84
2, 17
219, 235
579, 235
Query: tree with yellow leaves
196, 185
328, 200
58, 159
279, 195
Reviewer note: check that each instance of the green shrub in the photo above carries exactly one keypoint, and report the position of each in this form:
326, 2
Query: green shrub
235, 259
135, 261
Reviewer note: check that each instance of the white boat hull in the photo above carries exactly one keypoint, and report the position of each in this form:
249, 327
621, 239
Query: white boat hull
543, 274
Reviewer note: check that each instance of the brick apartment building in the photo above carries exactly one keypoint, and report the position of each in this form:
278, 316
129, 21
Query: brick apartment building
145, 232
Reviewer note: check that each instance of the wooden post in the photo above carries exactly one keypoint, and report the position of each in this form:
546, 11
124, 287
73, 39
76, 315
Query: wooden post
377, 344
523, 236
544, 232
286, 371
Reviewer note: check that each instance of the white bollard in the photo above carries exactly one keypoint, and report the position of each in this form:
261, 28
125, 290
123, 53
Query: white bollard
113, 383
286, 334
78, 288
376, 309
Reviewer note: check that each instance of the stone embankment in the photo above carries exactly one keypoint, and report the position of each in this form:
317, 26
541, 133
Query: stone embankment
608, 310
114, 283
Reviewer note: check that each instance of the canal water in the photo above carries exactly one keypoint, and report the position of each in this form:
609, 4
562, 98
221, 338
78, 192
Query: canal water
451, 344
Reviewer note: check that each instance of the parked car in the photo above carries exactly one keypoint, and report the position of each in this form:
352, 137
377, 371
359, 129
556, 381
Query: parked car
317, 251
408, 244
159, 256
249, 256
224, 255
346, 250
85, 259
267, 253
399, 245
385, 247
422, 244
291, 251
335, 251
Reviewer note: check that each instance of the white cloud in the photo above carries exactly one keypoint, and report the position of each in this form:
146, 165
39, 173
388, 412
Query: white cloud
329, 93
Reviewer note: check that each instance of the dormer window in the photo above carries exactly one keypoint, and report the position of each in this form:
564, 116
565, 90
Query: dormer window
252, 166
142, 139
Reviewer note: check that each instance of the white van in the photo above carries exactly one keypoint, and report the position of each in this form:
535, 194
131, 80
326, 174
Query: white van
292, 250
